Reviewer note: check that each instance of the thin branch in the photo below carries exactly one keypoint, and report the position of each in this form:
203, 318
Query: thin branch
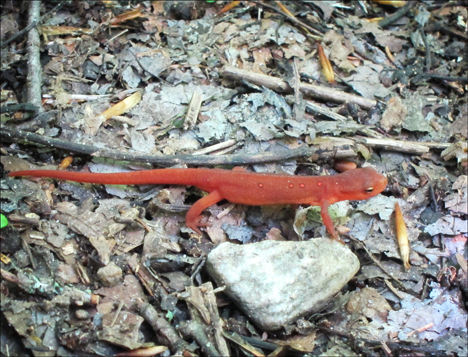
19, 34
19, 106
277, 84
428, 49
401, 346
33, 24
409, 147
34, 81
293, 19
161, 326
397, 15
204, 160
447, 78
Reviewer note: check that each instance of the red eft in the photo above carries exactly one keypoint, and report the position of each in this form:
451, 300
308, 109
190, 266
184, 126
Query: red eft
240, 186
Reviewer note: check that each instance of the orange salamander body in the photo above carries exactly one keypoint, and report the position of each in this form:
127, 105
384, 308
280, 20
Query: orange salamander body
243, 187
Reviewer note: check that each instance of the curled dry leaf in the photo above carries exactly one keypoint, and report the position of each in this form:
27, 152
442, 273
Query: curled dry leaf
402, 236
123, 106
326, 65
143, 352
228, 7
343, 166
129, 15
284, 9
394, 3
65, 163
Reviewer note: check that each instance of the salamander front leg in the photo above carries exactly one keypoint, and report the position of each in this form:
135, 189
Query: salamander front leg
192, 219
327, 221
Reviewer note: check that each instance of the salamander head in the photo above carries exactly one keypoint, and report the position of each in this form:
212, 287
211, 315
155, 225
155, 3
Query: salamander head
361, 184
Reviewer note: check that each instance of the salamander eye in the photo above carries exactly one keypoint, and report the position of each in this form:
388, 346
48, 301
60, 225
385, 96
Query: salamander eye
369, 189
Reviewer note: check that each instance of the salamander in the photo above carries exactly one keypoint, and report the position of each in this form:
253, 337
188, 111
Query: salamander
243, 187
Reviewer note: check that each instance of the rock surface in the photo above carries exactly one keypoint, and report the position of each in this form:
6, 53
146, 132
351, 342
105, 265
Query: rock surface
275, 283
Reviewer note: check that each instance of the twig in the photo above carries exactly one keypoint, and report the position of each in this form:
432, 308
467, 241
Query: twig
362, 245
447, 78
216, 322
316, 109
19, 33
432, 193
277, 84
34, 23
216, 147
400, 284
293, 19
148, 71
247, 347
417, 148
162, 327
30, 255
20, 106
394, 290
393, 345
269, 346
117, 313
443, 5
410, 147
428, 49
449, 31
194, 330
397, 15
39, 120
34, 81
299, 102
204, 160
196, 269
433, 26
193, 110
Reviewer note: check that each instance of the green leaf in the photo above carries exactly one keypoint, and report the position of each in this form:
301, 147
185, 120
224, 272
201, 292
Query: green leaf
170, 316
3, 221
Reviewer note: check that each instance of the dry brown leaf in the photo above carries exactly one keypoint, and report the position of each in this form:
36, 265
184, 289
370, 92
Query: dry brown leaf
402, 236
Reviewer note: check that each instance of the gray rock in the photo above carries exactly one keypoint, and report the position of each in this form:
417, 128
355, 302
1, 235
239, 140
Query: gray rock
275, 283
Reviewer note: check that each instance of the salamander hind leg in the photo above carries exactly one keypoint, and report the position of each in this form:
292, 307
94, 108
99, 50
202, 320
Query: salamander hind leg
192, 219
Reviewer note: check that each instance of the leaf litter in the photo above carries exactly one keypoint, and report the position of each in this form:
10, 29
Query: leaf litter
107, 242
